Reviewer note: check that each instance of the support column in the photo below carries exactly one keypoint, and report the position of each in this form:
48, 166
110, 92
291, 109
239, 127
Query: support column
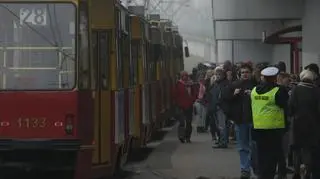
311, 33
243, 22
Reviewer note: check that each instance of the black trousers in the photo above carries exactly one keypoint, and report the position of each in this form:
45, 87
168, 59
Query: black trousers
185, 124
269, 150
282, 164
315, 169
213, 126
208, 120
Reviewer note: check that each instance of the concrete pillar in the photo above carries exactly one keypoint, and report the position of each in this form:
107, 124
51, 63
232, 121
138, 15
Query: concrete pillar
243, 50
282, 52
311, 33
243, 21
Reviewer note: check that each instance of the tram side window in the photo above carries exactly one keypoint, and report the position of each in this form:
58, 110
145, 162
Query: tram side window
126, 50
95, 51
135, 53
84, 63
119, 44
123, 54
104, 44
145, 56
157, 60
149, 62
120, 62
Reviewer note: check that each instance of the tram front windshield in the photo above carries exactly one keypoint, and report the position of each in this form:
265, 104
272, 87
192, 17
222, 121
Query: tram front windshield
37, 46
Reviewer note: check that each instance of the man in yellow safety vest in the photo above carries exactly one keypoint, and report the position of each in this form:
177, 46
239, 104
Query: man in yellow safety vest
268, 103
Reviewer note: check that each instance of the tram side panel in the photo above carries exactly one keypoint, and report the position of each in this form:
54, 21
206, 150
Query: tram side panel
155, 86
123, 57
161, 84
141, 34
103, 39
147, 96
135, 120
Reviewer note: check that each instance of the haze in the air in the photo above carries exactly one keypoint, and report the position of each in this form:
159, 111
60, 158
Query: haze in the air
193, 18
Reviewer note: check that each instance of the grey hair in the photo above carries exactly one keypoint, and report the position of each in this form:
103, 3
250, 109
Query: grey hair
219, 69
307, 75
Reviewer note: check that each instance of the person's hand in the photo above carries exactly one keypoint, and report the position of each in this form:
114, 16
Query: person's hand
236, 91
247, 92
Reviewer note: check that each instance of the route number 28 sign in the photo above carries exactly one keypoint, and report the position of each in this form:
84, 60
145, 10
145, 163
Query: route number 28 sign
34, 16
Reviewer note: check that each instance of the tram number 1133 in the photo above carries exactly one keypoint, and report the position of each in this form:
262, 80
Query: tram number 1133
34, 16
32, 122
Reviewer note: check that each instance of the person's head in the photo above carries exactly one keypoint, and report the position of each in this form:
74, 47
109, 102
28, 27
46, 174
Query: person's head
194, 70
283, 79
257, 71
209, 74
281, 66
227, 65
269, 74
294, 78
178, 75
220, 74
229, 75
245, 71
313, 67
307, 76
201, 77
184, 76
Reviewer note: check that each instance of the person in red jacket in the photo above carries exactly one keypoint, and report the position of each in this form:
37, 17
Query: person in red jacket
185, 96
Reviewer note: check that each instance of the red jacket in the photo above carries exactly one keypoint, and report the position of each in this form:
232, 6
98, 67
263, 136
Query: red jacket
182, 98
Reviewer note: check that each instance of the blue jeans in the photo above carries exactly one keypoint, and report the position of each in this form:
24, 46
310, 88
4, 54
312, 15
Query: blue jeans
244, 142
201, 114
223, 128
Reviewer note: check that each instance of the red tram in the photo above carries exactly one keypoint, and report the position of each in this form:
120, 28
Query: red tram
78, 95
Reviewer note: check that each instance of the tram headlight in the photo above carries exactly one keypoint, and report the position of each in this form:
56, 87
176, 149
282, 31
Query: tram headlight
69, 124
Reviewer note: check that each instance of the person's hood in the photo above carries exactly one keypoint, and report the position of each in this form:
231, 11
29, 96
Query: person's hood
264, 87
305, 84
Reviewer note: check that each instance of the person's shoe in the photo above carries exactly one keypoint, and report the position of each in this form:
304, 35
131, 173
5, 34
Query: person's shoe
281, 177
201, 130
245, 175
220, 146
290, 171
182, 140
188, 141
296, 176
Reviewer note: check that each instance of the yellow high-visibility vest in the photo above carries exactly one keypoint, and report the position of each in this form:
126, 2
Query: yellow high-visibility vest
265, 113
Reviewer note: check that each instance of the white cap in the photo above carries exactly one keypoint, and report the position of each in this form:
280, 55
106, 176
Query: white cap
270, 71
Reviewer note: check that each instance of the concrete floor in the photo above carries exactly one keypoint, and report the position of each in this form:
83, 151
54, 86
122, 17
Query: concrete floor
171, 159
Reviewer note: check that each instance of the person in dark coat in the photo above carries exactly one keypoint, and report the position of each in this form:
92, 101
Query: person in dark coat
208, 86
218, 106
284, 81
304, 107
240, 110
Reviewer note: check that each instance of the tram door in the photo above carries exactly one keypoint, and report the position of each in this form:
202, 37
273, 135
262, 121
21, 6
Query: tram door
101, 42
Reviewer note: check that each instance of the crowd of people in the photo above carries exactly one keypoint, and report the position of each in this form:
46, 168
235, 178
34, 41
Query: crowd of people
273, 114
